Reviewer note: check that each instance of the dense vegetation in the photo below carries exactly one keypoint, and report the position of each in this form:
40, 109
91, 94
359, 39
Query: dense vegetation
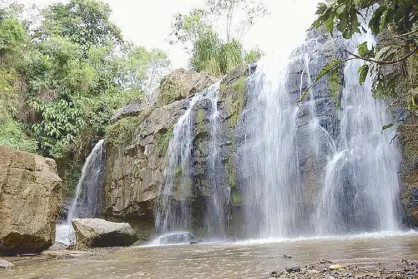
210, 53
392, 63
62, 76
66, 68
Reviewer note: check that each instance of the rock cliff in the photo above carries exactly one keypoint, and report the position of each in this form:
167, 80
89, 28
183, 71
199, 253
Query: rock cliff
30, 201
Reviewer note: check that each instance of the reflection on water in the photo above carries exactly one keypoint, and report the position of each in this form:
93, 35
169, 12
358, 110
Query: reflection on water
232, 260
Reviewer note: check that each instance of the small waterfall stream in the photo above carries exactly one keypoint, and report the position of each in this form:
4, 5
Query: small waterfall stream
86, 199
174, 212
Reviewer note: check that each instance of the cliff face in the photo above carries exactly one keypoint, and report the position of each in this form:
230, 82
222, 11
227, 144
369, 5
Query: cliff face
30, 200
137, 142
408, 137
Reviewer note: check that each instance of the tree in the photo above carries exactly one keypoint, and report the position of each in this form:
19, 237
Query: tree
209, 53
85, 22
394, 22
229, 9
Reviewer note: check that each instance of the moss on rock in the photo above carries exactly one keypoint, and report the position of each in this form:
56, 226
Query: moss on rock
163, 140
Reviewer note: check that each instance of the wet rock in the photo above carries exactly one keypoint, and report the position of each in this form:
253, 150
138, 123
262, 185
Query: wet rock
292, 269
6, 264
175, 238
102, 233
30, 201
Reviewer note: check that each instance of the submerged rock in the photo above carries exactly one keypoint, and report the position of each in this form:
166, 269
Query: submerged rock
6, 264
102, 233
30, 201
175, 238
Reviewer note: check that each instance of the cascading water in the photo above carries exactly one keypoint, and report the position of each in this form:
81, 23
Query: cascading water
270, 185
302, 173
88, 185
361, 182
173, 211
86, 199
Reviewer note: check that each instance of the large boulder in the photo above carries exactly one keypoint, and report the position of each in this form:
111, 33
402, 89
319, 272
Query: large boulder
102, 233
30, 201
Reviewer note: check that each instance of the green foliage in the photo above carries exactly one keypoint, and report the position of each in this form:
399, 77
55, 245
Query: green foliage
13, 135
209, 52
212, 56
62, 77
253, 55
12, 35
363, 71
395, 22
62, 122
84, 22
122, 131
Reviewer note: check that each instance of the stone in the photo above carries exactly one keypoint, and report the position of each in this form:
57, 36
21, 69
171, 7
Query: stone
128, 110
292, 269
101, 233
30, 202
336, 267
181, 84
6, 264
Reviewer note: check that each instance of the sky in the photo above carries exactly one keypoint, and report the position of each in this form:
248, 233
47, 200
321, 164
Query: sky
147, 23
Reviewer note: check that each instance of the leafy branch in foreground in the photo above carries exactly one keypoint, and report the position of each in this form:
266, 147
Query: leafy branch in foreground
392, 63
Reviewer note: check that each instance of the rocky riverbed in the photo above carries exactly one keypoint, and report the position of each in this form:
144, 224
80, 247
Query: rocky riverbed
325, 269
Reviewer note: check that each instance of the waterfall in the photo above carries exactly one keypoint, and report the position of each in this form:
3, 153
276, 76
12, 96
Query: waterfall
312, 169
271, 186
88, 186
361, 181
87, 196
174, 210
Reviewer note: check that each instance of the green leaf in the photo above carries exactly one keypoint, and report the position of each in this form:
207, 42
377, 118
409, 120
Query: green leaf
321, 8
341, 9
363, 71
387, 126
362, 49
374, 23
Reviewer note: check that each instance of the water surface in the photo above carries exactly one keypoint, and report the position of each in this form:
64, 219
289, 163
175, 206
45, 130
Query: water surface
250, 259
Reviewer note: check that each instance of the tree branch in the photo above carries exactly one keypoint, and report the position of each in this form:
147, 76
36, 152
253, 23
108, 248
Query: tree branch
305, 92
383, 62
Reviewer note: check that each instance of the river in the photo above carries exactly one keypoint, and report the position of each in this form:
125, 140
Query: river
249, 259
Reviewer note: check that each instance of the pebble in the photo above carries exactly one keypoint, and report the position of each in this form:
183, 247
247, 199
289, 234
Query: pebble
292, 269
336, 266
6, 264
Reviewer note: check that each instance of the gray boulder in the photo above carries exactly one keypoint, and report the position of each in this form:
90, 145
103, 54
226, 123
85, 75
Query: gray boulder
101, 233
